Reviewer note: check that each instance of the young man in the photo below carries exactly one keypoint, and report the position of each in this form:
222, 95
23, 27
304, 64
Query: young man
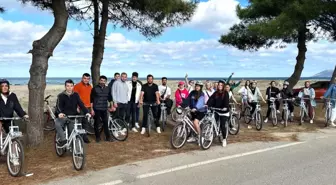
116, 77
331, 93
137, 115
8, 104
133, 96
67, 104
83, 89
99, 104
165, 93
120, 95
149, 95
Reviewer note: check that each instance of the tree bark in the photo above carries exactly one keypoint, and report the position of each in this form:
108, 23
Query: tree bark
300, 59
333, 77
42, 50
98, 39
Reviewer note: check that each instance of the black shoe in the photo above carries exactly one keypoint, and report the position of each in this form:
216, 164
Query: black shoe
62, 143
97, 140
109, 140
86, 139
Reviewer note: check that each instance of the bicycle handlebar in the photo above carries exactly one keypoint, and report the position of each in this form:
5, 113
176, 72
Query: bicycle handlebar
76, 116
13, 118
46, 98
150, 104
219, 109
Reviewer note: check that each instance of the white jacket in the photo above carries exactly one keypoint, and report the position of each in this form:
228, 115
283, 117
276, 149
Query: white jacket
137, 93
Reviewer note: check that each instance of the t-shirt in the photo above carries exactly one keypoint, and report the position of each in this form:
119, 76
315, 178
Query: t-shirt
134, 84
162, 90
149, 92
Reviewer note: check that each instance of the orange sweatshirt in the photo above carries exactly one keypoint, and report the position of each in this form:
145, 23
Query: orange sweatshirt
84, 92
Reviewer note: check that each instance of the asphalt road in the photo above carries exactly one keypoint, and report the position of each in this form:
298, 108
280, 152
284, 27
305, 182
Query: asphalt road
310, 162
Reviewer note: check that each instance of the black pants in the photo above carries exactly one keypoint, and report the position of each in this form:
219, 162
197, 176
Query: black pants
145, 115
290, 108
101, 114
122, 110
85, 122
169, 105
277, 106
5, 125
131, 113
254, 106
223, 120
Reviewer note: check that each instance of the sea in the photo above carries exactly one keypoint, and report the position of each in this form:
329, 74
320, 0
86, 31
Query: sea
61, 80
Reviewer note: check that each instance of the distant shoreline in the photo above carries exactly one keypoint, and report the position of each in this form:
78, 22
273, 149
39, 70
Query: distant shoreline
60, 80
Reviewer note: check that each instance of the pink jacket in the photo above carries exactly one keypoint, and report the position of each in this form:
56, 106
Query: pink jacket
178, 99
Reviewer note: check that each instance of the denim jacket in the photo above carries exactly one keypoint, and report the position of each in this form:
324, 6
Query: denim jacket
311, 94
199, 104
331, 93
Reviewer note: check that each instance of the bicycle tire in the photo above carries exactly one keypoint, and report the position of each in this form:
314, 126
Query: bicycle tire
49, 123
258, 121
163, 121
236, 122
184, 136
286, 116
90, 129
59, 151
122, 127
174, 114
83, 153
21, 158
274, 117
205, 129
247, 114
327, 117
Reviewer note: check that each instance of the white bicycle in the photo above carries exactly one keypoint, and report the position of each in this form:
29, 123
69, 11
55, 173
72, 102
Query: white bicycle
74, 144
328, 110
12, 146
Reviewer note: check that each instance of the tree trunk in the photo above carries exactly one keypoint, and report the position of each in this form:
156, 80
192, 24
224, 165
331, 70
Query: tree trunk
333, 77
42, 50
300, 59
98, 39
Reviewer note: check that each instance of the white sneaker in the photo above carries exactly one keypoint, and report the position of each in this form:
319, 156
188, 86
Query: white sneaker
191, 139
137, 125
292, 114
224, 143
282, 122
266, 120
158, 130
143, 130
332, 124
311, 121
249, 126
278, 111
134, 129
234, 129
15, 162
123, 132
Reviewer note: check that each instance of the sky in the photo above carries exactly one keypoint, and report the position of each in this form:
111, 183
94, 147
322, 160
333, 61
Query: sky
191, 48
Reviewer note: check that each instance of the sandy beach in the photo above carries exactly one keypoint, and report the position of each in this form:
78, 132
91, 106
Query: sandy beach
22, 90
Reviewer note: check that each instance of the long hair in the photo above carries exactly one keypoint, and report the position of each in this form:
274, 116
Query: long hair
220, 93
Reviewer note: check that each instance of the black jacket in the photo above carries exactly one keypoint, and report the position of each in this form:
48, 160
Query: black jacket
272, 92
219, 100
99, 97
67, 104
7, 110
110, 87
286, 93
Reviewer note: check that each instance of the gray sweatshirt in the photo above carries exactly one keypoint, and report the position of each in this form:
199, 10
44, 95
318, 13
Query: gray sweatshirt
120, 92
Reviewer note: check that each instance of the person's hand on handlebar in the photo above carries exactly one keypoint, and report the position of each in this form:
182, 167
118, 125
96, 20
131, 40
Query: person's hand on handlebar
193, 110
88, 115
61, 115
26, 116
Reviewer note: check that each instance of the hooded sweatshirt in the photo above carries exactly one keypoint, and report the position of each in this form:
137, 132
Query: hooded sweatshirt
10, 104
179, 94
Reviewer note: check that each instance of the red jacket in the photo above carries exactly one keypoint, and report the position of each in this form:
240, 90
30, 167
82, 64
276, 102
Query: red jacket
178, 99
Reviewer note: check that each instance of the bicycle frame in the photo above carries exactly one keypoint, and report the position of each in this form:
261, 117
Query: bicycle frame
49, 109
77, 130
13, 133
258, 109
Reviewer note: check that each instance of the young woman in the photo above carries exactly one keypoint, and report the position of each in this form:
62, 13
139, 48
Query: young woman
272, 92
181, 94
231, 97
208, 91
220, 99
255, 92
245, 94
196, 101
308, 95
286, 93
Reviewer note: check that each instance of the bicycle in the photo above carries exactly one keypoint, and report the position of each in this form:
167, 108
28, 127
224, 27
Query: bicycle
273, 111
74, 144
328, 111
163, 116
90, 128
285, 112
304, 111
150, 118
12, 146
234, 120
256, 116
49, 116
211, 128
118, 128
183, 129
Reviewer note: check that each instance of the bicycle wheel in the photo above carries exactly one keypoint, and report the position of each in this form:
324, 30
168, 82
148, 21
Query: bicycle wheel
78, 153
274, 117
206, 136
174, 114
327, 116
59, 151
258, 121
49, 123
164, 120
247, 115
118, 129
15, 158
179, 136
234, 125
